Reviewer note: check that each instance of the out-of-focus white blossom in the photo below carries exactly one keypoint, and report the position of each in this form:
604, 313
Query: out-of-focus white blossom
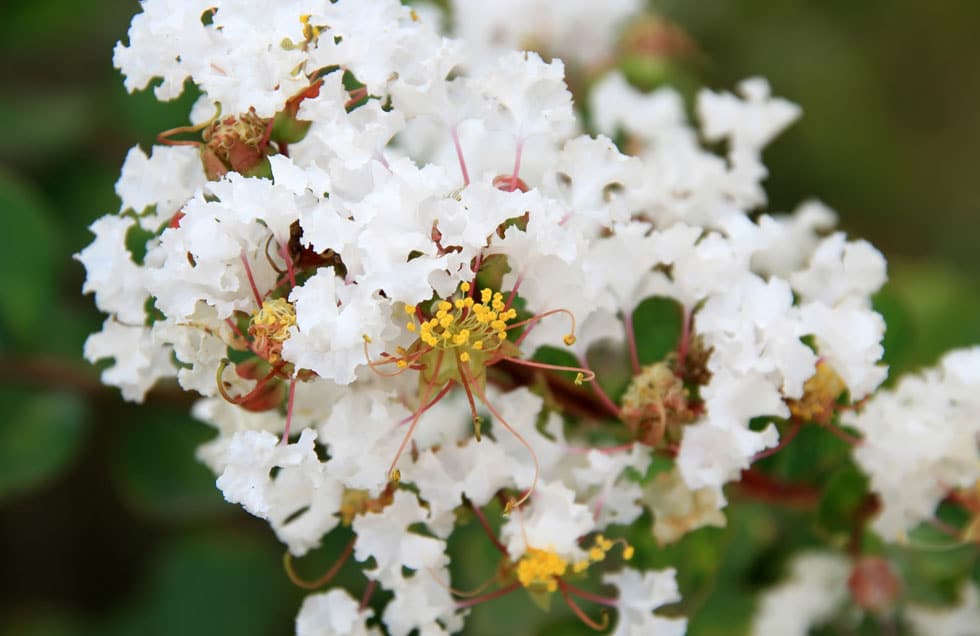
920, 440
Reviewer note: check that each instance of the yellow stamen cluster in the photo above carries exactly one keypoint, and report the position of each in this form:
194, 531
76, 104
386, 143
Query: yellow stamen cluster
820, 394
465, 324
541, 567
269, 327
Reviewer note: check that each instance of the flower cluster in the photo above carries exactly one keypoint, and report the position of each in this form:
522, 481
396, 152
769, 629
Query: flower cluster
367, 244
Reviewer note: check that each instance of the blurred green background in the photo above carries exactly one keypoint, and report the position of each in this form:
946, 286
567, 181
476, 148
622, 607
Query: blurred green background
107, 523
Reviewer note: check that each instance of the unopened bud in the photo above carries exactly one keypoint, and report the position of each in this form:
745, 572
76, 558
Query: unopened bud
874, 584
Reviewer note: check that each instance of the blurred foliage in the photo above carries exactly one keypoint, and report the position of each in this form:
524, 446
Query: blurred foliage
109, 525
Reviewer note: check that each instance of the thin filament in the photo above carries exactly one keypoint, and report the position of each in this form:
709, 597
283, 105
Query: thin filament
289, 411
459, 155
251, 279
631, 341
287, 562
416, 418
572, 605
520, 438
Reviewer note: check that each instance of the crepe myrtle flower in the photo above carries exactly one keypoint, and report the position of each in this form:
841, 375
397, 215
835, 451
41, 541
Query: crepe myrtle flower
458, 338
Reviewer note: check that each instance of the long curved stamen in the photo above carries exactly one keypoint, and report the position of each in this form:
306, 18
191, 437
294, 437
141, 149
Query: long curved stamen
289, 411
431, 403
539, 317
164, 138
582, 374
462, 594
404, 363
393, 473
287, 563
271, 261
482, 519
599, 391
251, 279
588, 596
504, 591
498, 418
572, 605
463, 376
252, 393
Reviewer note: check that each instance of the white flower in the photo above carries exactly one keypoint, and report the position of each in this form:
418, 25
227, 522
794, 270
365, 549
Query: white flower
300, 486
333, 613
165, 181
553, 521
842, 273
575, 30
640, 594
920, 440
118, 282
139, 361
814, 591
385, 536
422, 602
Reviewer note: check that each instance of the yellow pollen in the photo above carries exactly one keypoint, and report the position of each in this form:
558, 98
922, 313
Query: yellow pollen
269, 327
541, 567
569, 339
465, 324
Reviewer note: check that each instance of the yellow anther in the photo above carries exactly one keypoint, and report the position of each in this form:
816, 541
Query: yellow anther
569, 339
367, 338
410, 309
485, 295
579, 378
402, 364
410, 326
580, 566
478, 345
464, 287
596, 553
396, 475
503, 336
541, 567
445, 305
459, 303
628, 552
464, 357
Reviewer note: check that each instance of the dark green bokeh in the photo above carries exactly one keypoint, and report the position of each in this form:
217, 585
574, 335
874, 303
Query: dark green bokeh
109, 526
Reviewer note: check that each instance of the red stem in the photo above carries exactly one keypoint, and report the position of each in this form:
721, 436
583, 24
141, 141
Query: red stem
459, 156
631, 342
783, 442
504, 591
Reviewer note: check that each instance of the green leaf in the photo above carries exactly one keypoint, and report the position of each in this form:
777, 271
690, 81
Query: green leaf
214, 584
27, 261
39, 436
841, 499
657, 323
157, 471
